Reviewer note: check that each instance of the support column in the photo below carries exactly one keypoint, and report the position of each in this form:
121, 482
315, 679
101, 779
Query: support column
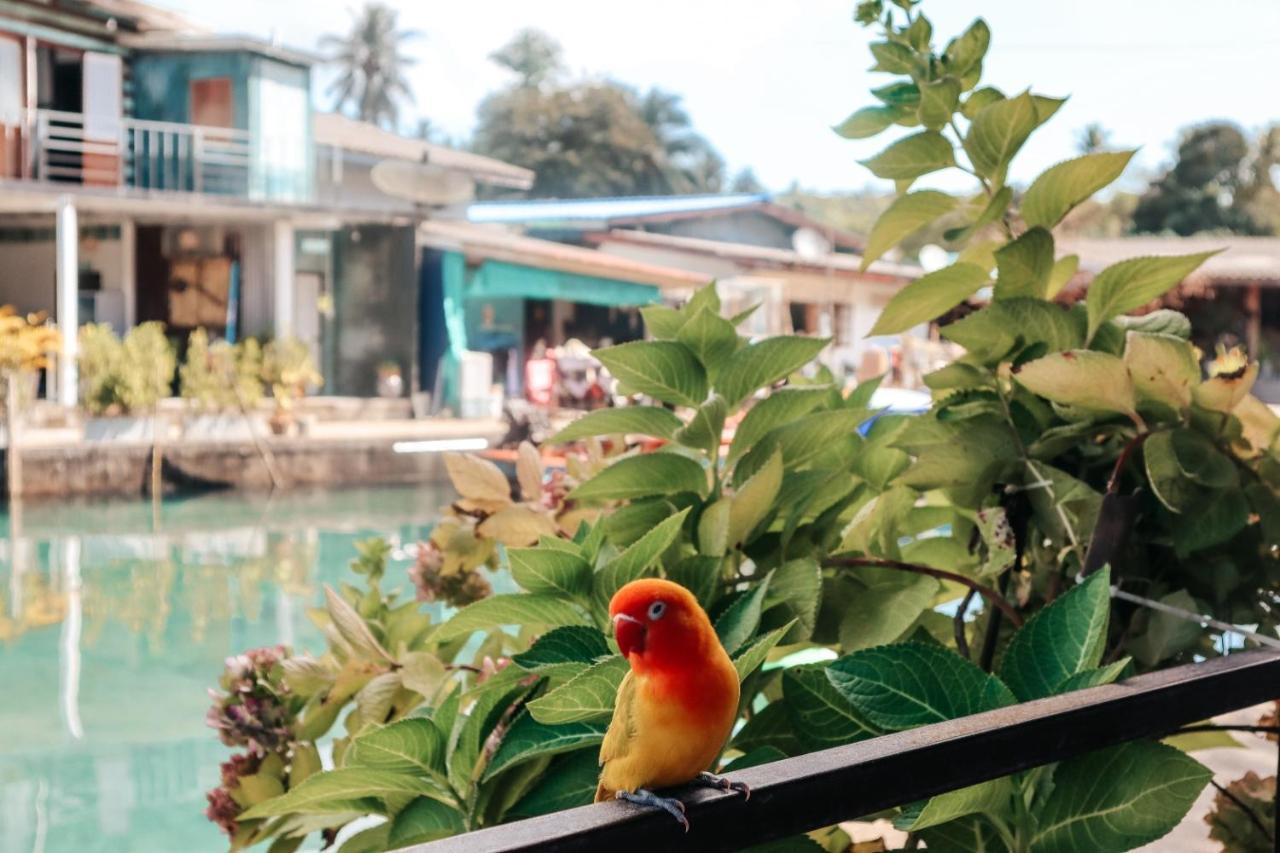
282, 279
1253, 319
129, 271
67, 231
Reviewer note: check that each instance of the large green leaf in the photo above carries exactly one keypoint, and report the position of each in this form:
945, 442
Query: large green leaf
1093, 381
335, 790
892, 58
913, 684
770, 726
907, 214
1129, 284
1064, 639
425, 820
706, 427
413, 745
1166, 634
643, 475
665, 370
972, 834
1118, 798
912, 157
819, 714
645, 420
1060, 188
711, 337
1095, 677
868, 121
994, 209
753, 501
938, 102
992, 796
510, 609
569, 782
1223, 517
662, 321
549, 570
634, 562
588, 696
527, 738
755, 654
966, 51
929, 297
888, 603
1023, 266
570, 644
993, 332
782, 406
628, 523
795, 593
764, 363
1170, 484
1164, 368
738, 623
997, 132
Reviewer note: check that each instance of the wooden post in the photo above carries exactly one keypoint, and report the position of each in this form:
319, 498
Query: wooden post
1253, 318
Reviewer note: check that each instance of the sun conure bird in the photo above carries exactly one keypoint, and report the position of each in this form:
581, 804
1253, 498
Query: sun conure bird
676, 706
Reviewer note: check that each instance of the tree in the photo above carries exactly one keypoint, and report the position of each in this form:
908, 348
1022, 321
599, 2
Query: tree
1093, 137
1209, 188
745, 181
372, 83
533, 56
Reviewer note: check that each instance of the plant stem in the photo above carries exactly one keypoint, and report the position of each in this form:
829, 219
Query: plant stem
1244, 807
985, 591
962, 645
1113, 484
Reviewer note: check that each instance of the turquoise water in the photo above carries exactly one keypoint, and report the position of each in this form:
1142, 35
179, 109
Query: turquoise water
114, 622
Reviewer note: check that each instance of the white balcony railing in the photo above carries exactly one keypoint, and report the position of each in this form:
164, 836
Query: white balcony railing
153, 155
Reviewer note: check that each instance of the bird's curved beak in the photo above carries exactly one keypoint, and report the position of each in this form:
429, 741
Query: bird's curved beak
630, 634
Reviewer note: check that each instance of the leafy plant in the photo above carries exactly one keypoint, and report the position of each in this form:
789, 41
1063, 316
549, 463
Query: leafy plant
827, 528
124, 377
220, 376
287, 367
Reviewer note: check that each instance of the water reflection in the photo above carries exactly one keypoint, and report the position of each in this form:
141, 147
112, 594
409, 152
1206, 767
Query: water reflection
115, 621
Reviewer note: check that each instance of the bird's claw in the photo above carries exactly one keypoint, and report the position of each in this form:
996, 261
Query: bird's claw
724, 784
670, 805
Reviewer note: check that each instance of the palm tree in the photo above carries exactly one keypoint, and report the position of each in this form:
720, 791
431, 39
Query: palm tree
372, 83
692, 164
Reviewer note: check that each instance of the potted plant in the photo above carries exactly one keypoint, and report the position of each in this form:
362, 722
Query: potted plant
221, 383
287, 367
25, 346
122, 381
390, 380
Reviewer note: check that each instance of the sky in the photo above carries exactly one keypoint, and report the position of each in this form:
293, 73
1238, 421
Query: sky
764, 80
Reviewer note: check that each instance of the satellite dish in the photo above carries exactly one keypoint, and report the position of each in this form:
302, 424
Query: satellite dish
422, 183
933, 257
810, 244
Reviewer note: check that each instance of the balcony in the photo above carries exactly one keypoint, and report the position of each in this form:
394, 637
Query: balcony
65, 147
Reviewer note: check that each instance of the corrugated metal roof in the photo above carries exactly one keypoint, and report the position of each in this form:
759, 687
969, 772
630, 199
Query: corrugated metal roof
343, 132
1243, 260
488, 242
603, 210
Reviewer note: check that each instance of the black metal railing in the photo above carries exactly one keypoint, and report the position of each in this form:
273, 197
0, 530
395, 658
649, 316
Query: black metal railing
822, 788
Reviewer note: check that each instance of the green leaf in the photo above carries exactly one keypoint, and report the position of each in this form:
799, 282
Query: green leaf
711, 337
913, 684
929, 297
700, 575
665, 370
637, 558
570, 782
352, 627
1064, 269
770, 726
705, 428
1118, 798
628, 523
644, 475
867, 121
907, 215
1164, 368
992, 333
1201, 461
645, 420
334, 791
1171, 486
820, 715
713, 529
1093, 381
997, 132
1165, 634
753, 501
570, 644
662, 321
970, 834
814, 437
1163, 321
1223, 517
549, 570
889, 603
920, 33
1094, 677
1023, 266
425, 820
892, 58
413, 745
990, 796
527, 738
586, 697
750, 658
995, 208
1130, 284
899, 93
795, 593
1060, 188
764, 363
912, 157
938, 102
980, 98
510, 609
966, 51
781, 407
738, 623
1062, 640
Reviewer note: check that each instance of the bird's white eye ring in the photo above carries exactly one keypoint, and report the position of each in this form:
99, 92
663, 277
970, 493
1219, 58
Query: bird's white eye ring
656, 610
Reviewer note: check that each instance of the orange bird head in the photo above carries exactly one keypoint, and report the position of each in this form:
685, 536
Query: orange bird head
659, 624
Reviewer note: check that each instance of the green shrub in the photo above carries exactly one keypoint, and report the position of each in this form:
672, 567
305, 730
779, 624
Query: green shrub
124, 377
221, 376
287, 367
